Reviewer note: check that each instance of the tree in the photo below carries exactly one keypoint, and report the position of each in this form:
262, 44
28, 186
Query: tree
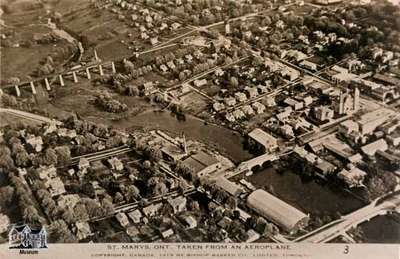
93, 208
6, 195
155, 154
63, 155
118, 198
80, 212
107, 206
132, 193
160, 188
234, 82
60, 233
68, 216
22, 159
132, 90
31, 215
50, 156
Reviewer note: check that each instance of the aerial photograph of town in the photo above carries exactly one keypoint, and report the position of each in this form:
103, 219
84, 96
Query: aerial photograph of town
220, 121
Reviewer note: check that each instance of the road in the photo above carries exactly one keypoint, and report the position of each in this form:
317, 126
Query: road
30, 116
102, 154
340, 226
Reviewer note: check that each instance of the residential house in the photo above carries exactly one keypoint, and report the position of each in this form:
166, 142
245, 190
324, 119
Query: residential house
251, 91
240, 97
115, 164
217, 106
230, 101
190, 221
152, 209
200, 82
135, 216
178, 204
238, 114
247, 110
82, 230
353, 177
122, 219
258, 108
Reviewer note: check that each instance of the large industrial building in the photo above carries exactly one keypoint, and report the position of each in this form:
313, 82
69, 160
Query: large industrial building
279, 212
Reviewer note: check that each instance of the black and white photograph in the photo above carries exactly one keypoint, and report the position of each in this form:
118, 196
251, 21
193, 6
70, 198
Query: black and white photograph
200, 129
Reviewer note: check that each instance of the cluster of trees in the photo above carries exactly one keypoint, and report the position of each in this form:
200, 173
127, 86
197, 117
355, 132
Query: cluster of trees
8, 101
23, 197
193, 11
106, 102
59, 156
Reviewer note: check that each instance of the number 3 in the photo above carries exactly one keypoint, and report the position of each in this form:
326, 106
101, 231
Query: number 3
346, 250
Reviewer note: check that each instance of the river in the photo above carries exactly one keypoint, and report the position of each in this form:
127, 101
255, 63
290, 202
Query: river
228, 142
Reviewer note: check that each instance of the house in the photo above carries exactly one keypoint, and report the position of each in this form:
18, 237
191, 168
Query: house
164, 68
370, 149
190, 221
115, 164
258, 107
394, 139
251, 91
82, 230
46, 172
238, 114
323, 113
153, 41
270, 101
122, 219
353, 177
167, 233
230, 101
229, 117
200, 82
34, 143
262, 138
56, 187
135, 216
247, 110
148, 88
178, 204
284, 115
307, 101
171, 65
348, 126
175, 26
296, 105
240, 97
225, 222
152, 209
133, 233
217, 106
252, 236
68, 200
309, 65
83, 163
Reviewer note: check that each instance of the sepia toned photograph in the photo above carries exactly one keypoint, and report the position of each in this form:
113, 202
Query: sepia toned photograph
256, 128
